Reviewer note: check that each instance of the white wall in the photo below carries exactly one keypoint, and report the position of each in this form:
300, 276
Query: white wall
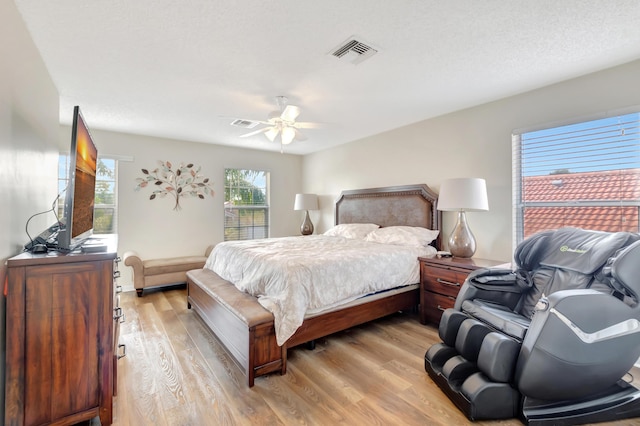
28, 146
152, 228
475, 142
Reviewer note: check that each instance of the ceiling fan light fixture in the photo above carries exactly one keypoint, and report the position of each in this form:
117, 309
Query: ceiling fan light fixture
287, 135
272, 133
282, 122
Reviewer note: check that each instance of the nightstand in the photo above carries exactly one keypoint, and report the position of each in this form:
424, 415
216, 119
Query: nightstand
441, 280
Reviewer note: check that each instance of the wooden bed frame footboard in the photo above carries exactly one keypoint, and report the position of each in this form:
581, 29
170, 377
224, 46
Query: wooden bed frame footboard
247, 330
241, 324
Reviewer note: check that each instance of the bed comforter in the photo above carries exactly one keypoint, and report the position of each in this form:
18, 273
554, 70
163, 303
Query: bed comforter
293, 276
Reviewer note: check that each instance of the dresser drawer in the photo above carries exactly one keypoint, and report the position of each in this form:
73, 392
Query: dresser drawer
443, 281
434, 305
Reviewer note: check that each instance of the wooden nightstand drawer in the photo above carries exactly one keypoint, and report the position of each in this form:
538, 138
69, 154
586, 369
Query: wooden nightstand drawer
443, 281
435, 304
440, 282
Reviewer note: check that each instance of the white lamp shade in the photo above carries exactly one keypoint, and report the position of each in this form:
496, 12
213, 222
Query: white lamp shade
463, 194
306, 202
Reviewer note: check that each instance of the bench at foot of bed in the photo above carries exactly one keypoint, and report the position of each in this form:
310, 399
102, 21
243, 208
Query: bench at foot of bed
244, 327
247, 331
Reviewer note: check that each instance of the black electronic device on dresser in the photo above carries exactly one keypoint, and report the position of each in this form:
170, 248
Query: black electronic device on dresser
441, 280
75, 225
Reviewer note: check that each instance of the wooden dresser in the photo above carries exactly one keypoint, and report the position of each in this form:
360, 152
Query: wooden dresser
441, 280
61, 338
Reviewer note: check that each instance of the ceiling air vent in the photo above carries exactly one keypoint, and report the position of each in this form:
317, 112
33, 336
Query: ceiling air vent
354, 51
245, 124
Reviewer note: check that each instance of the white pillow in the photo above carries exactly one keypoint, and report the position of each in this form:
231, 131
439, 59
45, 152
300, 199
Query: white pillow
412, 236
351, 230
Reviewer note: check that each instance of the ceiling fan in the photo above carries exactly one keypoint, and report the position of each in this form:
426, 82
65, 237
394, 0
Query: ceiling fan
282, 123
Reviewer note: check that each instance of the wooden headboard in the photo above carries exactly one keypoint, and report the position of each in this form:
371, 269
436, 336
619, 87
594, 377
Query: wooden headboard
409, 205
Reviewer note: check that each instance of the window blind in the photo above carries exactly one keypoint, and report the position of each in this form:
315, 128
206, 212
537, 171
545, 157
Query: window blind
585, 175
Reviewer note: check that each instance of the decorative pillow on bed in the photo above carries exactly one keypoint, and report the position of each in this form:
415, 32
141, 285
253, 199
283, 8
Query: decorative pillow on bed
352, 230
413, 236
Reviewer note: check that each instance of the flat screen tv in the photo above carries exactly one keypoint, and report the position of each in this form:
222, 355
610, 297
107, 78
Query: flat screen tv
77, 219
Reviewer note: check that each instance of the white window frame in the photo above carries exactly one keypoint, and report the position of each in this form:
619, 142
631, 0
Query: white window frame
231, 209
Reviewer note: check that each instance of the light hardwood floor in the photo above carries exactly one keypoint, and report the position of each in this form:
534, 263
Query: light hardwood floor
176, 373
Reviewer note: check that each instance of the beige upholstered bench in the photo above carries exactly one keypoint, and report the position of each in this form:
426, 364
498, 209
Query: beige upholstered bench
162, 272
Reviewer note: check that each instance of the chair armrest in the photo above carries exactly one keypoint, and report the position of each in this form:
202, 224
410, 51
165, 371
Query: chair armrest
496, 280
132, 259
579, 343
592, 316
209, 249
495, 285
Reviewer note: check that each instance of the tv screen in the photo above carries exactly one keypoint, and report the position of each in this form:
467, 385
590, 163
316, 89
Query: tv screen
77, 219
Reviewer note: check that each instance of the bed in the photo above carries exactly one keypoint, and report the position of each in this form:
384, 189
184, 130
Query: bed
248, 330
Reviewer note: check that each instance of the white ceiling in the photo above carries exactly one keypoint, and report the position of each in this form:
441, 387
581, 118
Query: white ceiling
172, 68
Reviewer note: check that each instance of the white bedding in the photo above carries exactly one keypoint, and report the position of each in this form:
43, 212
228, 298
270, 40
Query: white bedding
293, 276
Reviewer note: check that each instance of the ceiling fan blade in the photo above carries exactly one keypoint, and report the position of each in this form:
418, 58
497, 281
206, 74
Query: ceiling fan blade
299, 135
306, 125
256, 132
290, 113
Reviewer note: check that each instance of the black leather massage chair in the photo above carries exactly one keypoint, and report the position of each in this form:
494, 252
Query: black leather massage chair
550, 342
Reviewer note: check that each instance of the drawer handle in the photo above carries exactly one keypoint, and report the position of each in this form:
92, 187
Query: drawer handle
441, 308
119, 315
118, 289
123, 353
449, 283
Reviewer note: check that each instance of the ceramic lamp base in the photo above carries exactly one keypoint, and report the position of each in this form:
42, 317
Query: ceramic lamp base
462, 243
307, 227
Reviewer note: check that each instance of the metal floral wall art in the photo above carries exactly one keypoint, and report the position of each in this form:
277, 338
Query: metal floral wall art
184, 181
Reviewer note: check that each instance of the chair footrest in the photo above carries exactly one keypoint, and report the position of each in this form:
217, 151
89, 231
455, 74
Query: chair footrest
489, 400
477, 397
457, 370
437, 356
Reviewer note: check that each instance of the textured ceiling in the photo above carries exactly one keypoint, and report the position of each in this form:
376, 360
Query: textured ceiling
176, 69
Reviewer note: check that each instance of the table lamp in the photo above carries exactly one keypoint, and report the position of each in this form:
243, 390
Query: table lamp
463, 195
306, 202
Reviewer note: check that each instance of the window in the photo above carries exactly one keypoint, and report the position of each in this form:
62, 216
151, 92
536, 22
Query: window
104, 211
585, 175
246, 204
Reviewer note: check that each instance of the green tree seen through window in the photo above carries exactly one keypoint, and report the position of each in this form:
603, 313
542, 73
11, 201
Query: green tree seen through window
246, 204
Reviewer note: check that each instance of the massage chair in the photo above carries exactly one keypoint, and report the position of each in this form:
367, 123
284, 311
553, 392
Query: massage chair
550, 341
